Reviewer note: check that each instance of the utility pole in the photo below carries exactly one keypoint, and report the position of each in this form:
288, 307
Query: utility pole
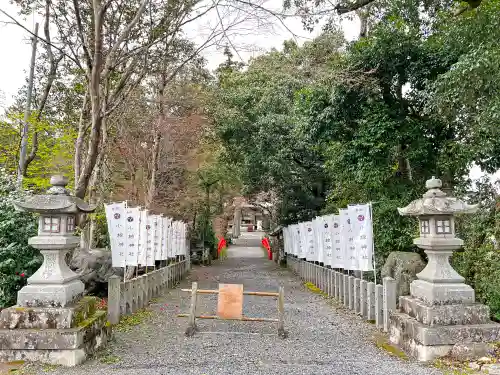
27, 112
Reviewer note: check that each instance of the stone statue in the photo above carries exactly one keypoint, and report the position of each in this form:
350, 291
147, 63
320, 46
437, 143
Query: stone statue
94, 267
403, 267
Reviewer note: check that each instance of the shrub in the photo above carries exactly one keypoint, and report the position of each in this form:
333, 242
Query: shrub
18, 260
101, 236
205, 235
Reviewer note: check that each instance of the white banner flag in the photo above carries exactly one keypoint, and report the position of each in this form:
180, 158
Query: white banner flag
362, 226
292, 235
338, 249
178, 238
326, 228
301, 240
169, 238
174, 238
310, 241
143, 238
353, 255
183, 238
150, 250
350, 261
317, 224
132, 233
164, 230
156, 236
286, 242
115, 216
159, 234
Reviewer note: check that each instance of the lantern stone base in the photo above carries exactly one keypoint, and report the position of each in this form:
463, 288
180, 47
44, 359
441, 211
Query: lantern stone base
427, 332
59, 336
444, 315
54, 295
442, 294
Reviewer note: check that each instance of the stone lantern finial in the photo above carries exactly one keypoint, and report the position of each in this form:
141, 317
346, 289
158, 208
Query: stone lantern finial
436, 202
59, 184
433, 183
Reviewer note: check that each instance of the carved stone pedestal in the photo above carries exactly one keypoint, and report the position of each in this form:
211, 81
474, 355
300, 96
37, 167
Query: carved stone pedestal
60, 336
428, 332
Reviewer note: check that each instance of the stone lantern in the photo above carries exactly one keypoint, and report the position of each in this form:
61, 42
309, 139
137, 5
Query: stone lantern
54, 284
440, 317
53, 322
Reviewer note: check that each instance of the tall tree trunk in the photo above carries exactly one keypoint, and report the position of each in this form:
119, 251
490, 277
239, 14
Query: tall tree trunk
51, 77
80, 139
27, 112
94, 196
363, 19
151, 190
91, 159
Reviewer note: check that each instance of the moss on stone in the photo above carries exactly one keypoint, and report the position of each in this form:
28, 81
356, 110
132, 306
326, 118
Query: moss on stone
90, 304
92, 319
78, 317
382, 343
450, 367
313, 288
128, 321
85, 307
109, 359
16, 363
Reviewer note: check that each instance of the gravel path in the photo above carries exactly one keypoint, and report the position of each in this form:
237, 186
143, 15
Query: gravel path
323, 338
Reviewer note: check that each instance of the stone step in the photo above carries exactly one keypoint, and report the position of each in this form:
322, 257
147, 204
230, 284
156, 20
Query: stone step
54, 339
17, 317
408, 328
66, 347
444, 315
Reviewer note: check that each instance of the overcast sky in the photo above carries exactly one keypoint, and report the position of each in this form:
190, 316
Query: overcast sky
16, 49
248, 39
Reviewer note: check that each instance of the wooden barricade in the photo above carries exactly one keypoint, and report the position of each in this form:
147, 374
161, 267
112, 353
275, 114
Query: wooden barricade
230, 306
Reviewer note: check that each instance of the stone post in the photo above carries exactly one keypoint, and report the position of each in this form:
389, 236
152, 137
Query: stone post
389, 285
357, 295
351, 292
370, 301
339, 288
114, 299
379, 306
345, 283
363, 298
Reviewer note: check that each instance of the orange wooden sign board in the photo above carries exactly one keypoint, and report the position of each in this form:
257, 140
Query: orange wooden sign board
230, 303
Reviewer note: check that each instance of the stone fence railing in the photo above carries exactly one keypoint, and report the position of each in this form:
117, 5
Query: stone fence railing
371, 301
126, 297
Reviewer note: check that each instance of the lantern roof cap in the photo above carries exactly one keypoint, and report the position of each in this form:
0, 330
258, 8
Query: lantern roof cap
436, 202
56, 200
